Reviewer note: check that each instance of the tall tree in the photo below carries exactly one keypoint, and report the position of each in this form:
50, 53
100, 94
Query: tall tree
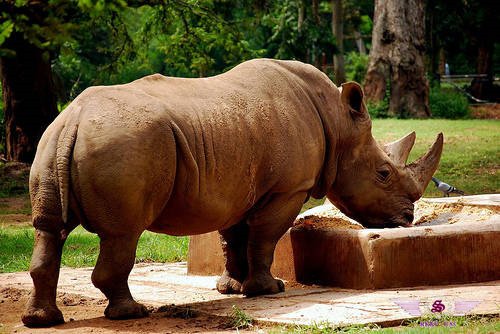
31, 33
483, 25
95, 34
25, 70
397, 58
29, 98
338, 32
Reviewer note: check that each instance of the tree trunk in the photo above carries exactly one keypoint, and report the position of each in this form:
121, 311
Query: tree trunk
482, 88
28, 97
360, 44
397, 58
301, 15
338, 32
315, 11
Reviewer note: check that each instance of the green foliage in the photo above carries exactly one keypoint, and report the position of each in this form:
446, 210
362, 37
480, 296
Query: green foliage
6, 29
238, 319
378, 109
2, 120
356, 65
101, 52
448, 104
188, 39
306, 42
201, 42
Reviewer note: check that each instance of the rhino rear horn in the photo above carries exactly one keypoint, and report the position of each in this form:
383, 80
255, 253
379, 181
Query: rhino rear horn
399, 150
423, 169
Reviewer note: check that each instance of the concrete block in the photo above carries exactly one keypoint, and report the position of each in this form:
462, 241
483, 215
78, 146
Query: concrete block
435, 253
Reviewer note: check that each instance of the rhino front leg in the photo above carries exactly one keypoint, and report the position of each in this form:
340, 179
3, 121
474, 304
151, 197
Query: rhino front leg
234, 246
41, 309
110, 275
266, 227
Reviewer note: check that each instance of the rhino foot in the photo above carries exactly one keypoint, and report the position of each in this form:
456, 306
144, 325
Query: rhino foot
128, 309
262, 286
42, 316
227, 285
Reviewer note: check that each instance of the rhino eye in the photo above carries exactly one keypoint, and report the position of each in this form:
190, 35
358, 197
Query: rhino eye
383, 175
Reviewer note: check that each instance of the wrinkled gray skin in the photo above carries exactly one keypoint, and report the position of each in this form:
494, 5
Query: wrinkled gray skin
238, 153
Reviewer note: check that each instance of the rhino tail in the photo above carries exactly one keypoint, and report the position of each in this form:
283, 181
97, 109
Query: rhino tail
64, 152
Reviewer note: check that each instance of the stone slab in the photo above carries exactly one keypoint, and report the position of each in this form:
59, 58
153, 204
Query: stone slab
166, 284
463, 252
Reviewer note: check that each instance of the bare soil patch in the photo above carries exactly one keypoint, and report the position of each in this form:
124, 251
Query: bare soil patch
85, 315
13, 210
486, 111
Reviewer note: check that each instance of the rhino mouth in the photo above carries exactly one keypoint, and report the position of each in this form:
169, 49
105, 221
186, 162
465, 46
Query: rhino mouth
403, 220
403, 224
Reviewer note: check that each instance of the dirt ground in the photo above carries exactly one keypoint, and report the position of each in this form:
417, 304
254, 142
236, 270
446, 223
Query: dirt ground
14, 206
85, 315
486, 111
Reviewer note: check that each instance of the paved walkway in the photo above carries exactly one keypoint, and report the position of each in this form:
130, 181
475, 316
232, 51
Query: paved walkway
166, 284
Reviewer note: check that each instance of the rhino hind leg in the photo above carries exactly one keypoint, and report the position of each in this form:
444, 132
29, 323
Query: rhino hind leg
41, 309
234, 246
266, 227
110, 275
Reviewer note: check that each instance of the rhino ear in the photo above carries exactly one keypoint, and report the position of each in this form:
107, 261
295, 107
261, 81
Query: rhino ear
352, 97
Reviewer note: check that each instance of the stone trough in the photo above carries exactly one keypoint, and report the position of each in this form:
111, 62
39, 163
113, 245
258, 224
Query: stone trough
453, 241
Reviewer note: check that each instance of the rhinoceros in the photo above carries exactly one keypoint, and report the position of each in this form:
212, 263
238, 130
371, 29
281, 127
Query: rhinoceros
238, 153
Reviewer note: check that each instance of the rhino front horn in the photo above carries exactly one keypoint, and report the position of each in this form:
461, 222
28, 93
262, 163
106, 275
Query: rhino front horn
399, 150
423, 169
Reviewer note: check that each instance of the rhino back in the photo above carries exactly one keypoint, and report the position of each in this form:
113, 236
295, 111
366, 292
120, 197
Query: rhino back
198, 154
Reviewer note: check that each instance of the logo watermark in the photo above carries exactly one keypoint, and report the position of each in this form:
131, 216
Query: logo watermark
437, 323
460, 307
438, 306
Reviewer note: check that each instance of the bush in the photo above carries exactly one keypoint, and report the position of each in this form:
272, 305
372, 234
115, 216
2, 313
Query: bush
378, 109
448, 104
2, 125
356, 66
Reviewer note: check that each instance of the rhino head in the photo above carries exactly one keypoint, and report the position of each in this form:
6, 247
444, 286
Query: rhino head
374, 185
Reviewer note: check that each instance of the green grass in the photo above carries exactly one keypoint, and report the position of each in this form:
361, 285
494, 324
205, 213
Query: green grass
441, 324
82, 248
16, 245
238, 319
471, 153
